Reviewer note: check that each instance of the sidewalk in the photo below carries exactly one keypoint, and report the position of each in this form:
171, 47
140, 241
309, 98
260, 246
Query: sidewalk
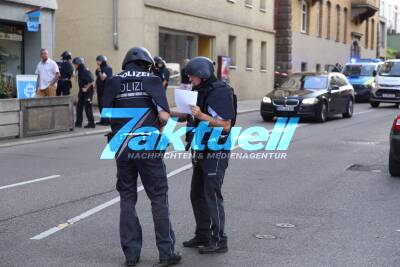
243, 107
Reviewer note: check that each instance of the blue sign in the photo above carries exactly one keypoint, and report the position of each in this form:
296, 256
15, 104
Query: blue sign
26, 86
33, 20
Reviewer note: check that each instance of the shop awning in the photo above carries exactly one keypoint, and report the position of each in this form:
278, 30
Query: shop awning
363, 9
51, 4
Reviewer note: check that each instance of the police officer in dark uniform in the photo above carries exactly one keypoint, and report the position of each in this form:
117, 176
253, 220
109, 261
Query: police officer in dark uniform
102, 73
66, 71
161, 71
136, 87
216, 105
85, 95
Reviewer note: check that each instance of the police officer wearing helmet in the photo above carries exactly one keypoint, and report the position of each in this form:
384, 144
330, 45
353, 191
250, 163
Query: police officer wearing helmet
136, 87
102, 73
66, 71
161, 71
216, 105
85, 95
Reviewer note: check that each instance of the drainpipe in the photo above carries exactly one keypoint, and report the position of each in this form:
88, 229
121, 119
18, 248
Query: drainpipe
115, 25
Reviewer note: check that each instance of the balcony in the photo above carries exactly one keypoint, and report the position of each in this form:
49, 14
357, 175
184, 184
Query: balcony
363, 9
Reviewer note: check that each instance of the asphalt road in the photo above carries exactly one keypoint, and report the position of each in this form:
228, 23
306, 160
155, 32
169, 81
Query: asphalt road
342, 217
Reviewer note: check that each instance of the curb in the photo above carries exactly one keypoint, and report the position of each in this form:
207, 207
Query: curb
82, 134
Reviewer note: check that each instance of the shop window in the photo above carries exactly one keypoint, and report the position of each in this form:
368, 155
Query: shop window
249, 53
175, 47
11, 56
303, 66
232, 49
263, 55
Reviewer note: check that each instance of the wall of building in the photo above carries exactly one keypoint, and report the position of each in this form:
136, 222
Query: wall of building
312, 47
88, 31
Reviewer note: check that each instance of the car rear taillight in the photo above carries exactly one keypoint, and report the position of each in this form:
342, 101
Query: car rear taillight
396, 124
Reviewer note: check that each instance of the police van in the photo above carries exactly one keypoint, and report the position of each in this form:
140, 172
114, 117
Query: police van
361, 74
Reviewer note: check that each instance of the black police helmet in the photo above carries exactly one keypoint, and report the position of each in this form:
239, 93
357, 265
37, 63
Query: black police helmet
139, 55
201, 67
66, 55
101, 58
78, 61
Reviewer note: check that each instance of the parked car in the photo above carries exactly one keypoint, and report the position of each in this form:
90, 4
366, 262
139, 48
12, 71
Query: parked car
313, 95
394, 156
386, 88
361, 74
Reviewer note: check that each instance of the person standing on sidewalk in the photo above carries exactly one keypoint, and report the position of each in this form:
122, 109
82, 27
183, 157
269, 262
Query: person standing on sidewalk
216, 107
161, 71
103, 72
66, 71
85, 95
47, 75
137, 88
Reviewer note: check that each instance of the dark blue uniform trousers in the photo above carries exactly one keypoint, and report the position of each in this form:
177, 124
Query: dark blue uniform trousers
206, 196
154, 180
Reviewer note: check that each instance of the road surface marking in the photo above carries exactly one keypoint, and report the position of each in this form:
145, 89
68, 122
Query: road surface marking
99, 208
30, 181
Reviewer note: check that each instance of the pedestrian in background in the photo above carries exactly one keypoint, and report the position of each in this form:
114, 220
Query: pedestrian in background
185, 79
85, 95
337, 68
48, 75
66, 72
103, 72
161, 71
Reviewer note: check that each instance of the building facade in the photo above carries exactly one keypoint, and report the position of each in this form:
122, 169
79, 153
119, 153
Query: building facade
242, 30
313, 35
390, 10
19, 46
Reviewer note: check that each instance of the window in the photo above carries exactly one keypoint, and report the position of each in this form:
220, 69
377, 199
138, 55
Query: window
303, 66
263, 55
319, 18
232, 49
318, 68
249, 53
328, 23
11, 54
304, 16
263, 5
249, 3
382, 35
366, 33
345, 14
372, 34
337, 23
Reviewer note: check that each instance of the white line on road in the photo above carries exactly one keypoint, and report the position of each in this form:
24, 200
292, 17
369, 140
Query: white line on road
30, 181
99, 208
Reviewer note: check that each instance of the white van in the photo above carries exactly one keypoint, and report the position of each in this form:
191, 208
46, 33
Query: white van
387, 84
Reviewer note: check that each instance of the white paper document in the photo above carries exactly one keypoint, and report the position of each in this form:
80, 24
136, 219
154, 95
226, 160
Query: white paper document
184, 99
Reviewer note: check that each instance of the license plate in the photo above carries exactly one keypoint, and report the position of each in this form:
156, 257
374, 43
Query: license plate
389, 95
285, 108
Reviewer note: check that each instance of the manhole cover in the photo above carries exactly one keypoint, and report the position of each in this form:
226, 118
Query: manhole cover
366, 168
285, 225
265, 236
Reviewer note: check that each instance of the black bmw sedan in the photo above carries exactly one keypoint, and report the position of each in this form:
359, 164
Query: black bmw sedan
312, 95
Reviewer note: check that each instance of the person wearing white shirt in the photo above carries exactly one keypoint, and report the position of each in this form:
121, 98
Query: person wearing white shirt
48, 75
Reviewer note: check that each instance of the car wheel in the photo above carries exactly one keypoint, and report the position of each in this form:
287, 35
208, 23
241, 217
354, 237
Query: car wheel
374, 104
394, 166
350, 109
267, 118
322, 113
